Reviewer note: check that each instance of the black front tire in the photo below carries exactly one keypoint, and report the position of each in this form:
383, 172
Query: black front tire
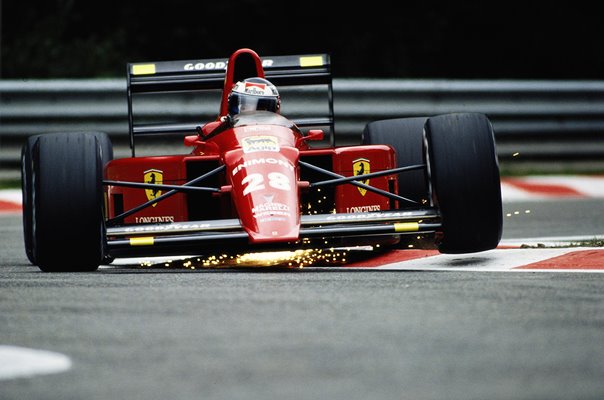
465, 182
67, 218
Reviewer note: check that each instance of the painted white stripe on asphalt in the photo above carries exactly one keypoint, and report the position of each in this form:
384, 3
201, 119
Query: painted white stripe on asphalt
21, 362
512, 193
12, 195
590, 186
492, 260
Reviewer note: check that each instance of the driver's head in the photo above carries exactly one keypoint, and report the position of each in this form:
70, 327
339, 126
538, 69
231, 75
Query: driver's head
254, 94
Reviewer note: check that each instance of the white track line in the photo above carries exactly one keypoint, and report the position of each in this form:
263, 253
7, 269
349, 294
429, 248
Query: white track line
584, 186
488, 261
11, 195
590, 186
21, 362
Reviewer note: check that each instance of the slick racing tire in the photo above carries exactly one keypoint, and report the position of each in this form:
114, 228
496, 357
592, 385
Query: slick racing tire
464, 179
26, 183
405, 135
67, 218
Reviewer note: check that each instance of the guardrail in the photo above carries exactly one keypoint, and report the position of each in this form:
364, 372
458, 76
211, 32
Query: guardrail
555, 123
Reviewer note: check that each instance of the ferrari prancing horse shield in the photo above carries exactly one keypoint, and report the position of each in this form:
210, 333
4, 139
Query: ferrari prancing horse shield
361, 166
153, 176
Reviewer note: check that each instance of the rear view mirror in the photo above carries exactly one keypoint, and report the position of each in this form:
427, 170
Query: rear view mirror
314, 134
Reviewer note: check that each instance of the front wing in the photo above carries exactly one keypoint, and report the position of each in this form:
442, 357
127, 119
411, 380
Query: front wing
193, 237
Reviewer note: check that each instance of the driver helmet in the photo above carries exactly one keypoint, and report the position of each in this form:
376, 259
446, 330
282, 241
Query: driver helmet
254, 94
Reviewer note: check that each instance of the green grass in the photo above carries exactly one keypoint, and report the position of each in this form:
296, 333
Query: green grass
10, 184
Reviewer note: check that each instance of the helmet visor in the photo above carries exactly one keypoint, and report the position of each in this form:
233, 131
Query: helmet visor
246, 103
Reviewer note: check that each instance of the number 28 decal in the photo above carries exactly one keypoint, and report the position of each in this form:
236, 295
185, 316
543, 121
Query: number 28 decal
255, 181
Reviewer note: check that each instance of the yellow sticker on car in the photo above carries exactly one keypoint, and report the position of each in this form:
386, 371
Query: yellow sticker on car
142, 241
143, 69
406, 227
253, 144
311, 61
361, 166
153, 176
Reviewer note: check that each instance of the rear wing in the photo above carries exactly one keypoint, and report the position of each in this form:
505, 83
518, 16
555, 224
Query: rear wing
212, 74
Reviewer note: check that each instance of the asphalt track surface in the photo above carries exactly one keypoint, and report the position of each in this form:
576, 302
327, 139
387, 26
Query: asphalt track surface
132, 333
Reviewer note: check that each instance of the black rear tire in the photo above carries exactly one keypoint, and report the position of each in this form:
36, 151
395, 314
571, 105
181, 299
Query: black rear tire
405, 135
67, 218
465, 183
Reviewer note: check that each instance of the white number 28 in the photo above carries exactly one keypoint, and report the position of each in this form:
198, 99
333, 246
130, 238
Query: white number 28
255, 181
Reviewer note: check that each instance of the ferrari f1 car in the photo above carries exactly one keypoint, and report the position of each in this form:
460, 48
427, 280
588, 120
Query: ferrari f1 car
255, 180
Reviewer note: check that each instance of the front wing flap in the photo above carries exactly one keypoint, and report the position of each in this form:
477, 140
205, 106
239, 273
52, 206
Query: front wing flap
191, 237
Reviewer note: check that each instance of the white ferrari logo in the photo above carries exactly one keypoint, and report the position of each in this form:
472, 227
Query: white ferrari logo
361, 166
153, 176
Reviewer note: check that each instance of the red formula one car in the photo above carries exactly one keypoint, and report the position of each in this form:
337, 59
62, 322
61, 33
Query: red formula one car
255, 180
